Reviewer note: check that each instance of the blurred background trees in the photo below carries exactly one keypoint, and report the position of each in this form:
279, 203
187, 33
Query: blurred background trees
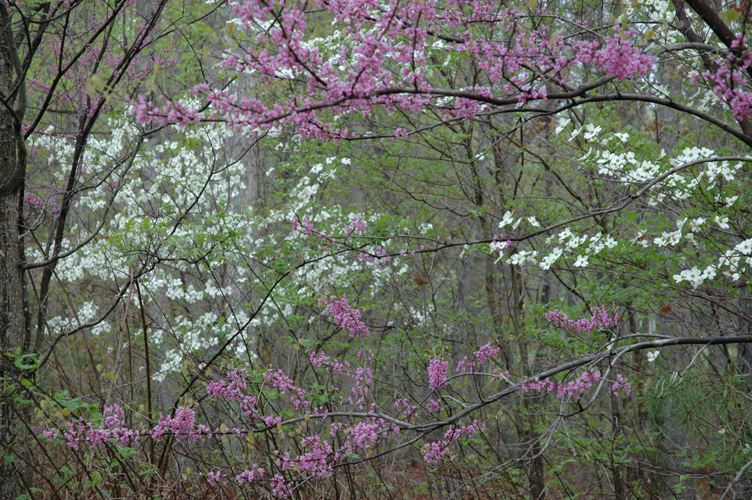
377, 250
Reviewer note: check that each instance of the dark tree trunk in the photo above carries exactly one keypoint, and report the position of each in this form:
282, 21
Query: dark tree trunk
13, 308
14, 333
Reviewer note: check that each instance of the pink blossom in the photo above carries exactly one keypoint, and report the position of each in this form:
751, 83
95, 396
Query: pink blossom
285, 385
479, 357
434, 405
345, 316
313, 461
621, 385
183, 424
255, 473
280, 487
215, 478
620, 58
574, 388
599, 321
233, 389
435, 451
364, 435
322, 360
437, 373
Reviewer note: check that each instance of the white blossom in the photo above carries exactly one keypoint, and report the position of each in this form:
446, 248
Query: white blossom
745, 247
507, 219
582, 261
693, 276
562, 124
549, 259
591, 132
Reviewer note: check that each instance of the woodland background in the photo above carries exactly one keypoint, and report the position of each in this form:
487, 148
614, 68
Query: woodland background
456, 249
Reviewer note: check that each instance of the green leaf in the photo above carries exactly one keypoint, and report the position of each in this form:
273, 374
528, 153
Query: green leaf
26, 361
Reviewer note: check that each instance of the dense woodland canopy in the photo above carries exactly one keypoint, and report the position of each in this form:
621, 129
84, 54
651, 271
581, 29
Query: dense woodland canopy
456, 249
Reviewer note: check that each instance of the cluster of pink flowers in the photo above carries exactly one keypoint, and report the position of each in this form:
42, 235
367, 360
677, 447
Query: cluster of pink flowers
357, 225
272, 420
215, 478
409, 409
379, 254
599, 321
729, 87
255, 473
280, 487
363, 378
233, 389
182, 425
344, 315
382, 63
145, 111
621, 385
434, 405
322, 360
113, 428
285, 385
620, 58
729, 79
574, 388
435, 451
34, 206
313, 461
364, 435
617, 56
308, 226
437, 373
479, 357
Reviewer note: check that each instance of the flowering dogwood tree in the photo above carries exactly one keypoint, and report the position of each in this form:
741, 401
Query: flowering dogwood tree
481, 225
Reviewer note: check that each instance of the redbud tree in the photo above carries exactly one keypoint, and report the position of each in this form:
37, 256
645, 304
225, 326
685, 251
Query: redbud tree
496, 250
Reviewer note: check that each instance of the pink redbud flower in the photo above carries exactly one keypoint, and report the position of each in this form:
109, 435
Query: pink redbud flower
437, 373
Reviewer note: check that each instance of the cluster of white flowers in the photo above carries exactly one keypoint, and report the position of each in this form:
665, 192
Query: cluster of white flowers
507, 219
733, 263
151, 199
522, 257
566, 234
722, 221
659, 10
744, 248
670, 237
625, 166
598, 242
562, 123
689, 155
591, 132
571, 242
552, 257
695, 276
724, 169
510, 219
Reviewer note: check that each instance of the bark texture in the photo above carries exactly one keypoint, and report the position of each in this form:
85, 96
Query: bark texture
13, 308
13, 325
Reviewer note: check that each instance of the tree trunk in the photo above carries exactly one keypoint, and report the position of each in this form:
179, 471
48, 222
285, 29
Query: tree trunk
13, 308
14, 333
